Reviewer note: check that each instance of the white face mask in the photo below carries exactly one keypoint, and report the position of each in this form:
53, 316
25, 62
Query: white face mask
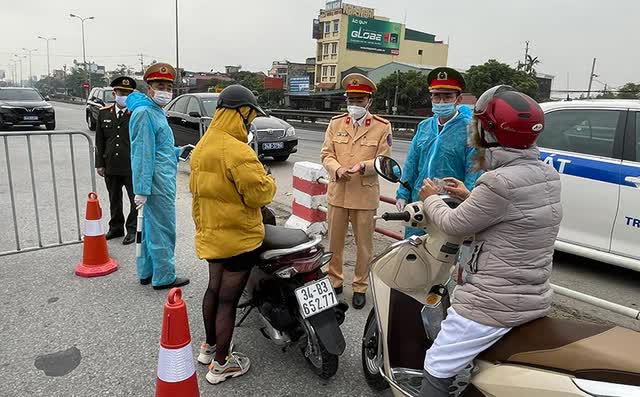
121, 101
357, 112
162, 97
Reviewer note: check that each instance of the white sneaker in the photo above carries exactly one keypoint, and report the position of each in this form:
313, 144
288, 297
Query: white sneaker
237, 365
207, 352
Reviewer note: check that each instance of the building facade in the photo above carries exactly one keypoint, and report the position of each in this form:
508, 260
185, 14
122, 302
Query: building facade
349, 36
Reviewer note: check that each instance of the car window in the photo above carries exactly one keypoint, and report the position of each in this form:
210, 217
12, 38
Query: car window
26, 94
581, 131
194, 106
108, 97
637, 136
181, 105
210, 103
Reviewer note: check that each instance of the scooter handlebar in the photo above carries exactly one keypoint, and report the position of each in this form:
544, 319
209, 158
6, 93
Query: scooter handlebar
396, 216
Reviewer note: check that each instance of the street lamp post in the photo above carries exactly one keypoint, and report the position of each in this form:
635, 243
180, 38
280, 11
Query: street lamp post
84, 54
48, 60
13, 65
19, 59
30, 70
178, 80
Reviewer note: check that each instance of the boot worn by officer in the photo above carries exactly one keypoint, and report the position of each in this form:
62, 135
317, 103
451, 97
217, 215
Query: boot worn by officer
111, 234
359, 300
180, 281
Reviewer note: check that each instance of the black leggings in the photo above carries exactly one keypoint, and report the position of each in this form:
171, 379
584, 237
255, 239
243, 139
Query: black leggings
227, 279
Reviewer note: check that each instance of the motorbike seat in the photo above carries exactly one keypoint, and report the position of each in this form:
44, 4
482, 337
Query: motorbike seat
279, 237
584, 350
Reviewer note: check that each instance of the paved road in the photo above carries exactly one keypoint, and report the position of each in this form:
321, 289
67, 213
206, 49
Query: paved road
103, 332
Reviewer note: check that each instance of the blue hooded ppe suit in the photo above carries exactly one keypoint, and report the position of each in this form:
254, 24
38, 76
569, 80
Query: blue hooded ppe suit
154, 164
434, 154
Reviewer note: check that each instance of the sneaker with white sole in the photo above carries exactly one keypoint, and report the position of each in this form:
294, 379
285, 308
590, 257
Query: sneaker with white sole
208, 352
237, 365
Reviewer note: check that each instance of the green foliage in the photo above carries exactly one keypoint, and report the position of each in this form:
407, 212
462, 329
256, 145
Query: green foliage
480, 78
250, 80
270, 99
413, 92
629, 91
74, 81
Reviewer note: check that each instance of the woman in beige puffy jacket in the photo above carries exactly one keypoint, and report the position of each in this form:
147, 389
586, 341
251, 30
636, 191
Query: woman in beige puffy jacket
514, 214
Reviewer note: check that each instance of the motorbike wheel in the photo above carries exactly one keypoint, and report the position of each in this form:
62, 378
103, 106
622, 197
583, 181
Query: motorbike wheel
324, 364
370, 354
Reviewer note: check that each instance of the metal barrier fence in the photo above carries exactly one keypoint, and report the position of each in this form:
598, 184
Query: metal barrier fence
398, 121
7, 137
384, 199
204, 124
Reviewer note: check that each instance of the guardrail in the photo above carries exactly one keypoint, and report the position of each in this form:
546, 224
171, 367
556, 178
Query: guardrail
313, 116
35, 192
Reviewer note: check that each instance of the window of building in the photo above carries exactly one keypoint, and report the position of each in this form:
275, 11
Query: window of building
327, 27
326, 49
580, 131
336, 25
324, 71
332, 68
334, 48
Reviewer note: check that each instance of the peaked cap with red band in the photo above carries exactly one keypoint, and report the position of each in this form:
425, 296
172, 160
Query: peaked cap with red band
357, 83
444, 78
160, 72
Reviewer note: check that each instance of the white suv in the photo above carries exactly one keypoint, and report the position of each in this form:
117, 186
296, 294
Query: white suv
595, 145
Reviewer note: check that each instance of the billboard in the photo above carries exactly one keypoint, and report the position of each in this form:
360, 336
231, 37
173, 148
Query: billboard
299, 85
373, 35
273, 83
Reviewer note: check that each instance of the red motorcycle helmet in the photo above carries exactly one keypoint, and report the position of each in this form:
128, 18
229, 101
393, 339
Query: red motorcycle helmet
513, 118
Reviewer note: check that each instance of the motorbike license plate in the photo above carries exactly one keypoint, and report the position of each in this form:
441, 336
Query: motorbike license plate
273, 145
30, 118
316, 297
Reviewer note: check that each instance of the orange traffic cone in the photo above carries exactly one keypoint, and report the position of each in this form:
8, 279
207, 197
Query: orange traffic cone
176, 368
95, 256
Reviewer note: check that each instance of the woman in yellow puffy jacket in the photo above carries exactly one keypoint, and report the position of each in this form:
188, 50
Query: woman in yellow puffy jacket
229, 187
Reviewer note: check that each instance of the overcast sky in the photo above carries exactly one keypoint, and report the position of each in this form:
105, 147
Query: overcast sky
565, 34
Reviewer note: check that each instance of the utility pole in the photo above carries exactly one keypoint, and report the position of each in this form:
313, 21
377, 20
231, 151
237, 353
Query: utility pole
30, 70
142, 63
179, 77
593, 69
526, 53
48, 60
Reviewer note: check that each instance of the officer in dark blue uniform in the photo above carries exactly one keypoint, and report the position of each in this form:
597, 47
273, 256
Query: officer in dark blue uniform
113, 161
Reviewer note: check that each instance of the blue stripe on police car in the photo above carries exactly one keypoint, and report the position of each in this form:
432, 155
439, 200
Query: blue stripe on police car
589, 168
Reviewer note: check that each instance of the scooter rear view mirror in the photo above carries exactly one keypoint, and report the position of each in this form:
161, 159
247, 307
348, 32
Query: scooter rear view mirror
388, 168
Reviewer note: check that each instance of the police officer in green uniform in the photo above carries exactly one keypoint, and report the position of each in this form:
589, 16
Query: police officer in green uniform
113, 161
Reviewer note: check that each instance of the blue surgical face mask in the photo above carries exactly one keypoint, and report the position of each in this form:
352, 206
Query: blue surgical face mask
443, 110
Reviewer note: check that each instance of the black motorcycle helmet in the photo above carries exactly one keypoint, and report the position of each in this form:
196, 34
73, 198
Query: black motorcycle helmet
235, 96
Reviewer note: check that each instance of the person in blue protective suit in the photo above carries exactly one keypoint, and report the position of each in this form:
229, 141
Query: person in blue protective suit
439, 148
154, 164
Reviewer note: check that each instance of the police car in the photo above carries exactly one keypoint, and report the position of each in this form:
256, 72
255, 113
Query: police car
595, 146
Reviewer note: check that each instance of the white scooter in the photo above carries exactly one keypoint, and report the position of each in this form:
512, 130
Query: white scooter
548, 357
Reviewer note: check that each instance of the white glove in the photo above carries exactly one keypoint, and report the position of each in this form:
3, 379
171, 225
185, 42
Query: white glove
400, 204
139, 200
